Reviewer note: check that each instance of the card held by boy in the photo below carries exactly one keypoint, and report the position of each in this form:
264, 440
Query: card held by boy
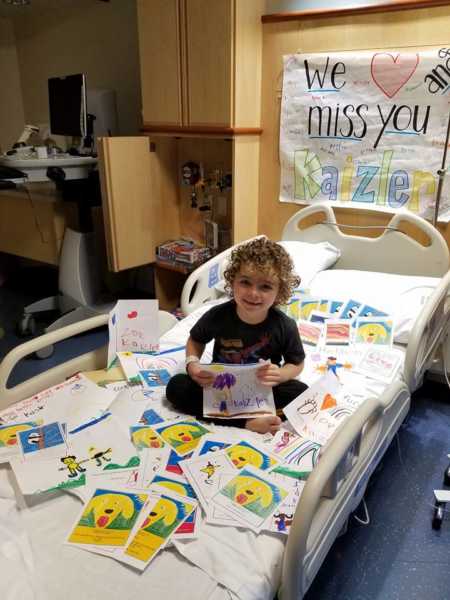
236, 393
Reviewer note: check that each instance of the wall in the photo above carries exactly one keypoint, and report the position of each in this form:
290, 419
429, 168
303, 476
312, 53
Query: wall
406, 28
11, 105
92, 37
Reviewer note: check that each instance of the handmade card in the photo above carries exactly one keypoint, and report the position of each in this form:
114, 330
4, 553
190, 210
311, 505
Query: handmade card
213, 442
144, 436
96, 448
292, 308
108, 518
179, 485
9, 440
161, 519
317, 316
337, 361
377, 331
335, 307
182, 435
369, 311
174, 461
154, 460
281, 520
236, 392
338, 332
204, 473
310, 333
306, 306
350, 309
151, 370
251, 496
107, 377
299, 458
133, 326
73, 402
245, 453
380, 363
150, 416
304, 411
42, 442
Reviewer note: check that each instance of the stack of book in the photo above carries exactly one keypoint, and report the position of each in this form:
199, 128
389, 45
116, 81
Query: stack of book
183, 252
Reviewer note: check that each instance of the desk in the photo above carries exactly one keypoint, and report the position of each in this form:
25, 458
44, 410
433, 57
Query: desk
75, 167
32, 225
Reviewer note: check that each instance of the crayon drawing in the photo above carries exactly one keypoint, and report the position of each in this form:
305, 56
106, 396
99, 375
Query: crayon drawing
337, 333
306, 307
181, 435
9, 433
144, 436
310, 333
161, 520
350, 310
244, 453
108, 518
375, 331
251, 492
333, 365
236, 392
335, 307
41, 438
155, 377
150, 417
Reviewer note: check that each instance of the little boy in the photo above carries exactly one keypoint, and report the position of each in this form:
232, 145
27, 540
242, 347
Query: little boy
248, 329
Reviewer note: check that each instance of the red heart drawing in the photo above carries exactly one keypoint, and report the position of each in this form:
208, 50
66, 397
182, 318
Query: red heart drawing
132, 314
390, 72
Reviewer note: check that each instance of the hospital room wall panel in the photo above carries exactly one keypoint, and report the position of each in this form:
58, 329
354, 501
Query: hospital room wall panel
412, 29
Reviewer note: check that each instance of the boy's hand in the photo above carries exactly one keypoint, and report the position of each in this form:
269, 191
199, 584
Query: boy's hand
269, 374
199, 375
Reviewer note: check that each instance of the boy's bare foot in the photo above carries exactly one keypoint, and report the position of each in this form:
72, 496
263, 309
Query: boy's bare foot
271, 424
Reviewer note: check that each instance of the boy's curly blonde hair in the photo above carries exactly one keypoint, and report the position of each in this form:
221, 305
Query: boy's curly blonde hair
267, 257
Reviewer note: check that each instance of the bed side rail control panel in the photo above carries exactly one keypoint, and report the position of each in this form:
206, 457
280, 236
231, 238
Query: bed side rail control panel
343, 468
430, 330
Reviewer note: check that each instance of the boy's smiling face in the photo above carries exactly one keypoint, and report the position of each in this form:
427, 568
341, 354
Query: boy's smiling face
254, 292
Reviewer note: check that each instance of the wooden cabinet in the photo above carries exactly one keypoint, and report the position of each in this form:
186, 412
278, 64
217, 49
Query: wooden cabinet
139, 198
145, 205
33, 220
200, 65
160, 61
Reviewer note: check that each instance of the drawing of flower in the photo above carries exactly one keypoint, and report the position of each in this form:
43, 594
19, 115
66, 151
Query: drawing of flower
223, 383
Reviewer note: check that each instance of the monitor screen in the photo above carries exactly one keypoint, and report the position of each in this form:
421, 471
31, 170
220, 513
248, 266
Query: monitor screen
67, 103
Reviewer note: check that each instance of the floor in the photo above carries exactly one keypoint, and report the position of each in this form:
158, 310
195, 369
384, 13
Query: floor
398, 556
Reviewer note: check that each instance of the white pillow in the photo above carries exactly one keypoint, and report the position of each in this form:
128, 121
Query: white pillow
309, 259
400, 296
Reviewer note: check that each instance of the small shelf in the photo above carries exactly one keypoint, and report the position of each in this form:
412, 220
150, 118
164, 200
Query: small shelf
179, 268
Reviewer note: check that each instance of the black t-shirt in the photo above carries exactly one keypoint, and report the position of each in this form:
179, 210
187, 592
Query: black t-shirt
276, 338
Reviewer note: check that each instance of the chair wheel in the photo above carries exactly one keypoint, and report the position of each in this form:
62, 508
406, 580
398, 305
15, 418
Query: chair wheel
447, 476
438, 515
45, 352
26, 326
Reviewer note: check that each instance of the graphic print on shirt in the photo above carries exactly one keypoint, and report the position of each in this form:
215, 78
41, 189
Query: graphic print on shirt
233, 351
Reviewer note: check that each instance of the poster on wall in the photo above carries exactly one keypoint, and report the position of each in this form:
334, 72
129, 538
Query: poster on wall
366, 129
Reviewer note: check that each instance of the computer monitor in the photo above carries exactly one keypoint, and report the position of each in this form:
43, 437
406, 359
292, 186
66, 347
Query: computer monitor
67, 104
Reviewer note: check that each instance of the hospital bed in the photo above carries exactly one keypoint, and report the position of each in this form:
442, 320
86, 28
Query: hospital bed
227, 562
